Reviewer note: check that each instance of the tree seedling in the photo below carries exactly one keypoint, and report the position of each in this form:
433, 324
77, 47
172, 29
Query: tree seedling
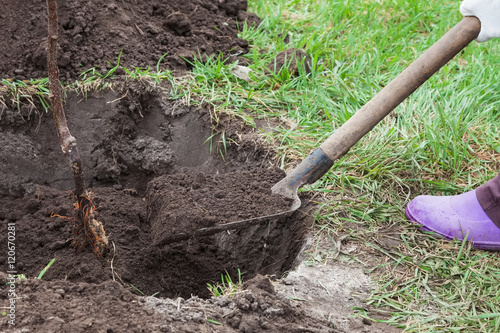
87, 228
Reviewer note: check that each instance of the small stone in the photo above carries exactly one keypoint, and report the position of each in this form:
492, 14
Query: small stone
59, 291
241, 72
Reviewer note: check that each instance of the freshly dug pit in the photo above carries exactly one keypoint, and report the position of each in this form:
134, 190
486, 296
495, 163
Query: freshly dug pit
130, 138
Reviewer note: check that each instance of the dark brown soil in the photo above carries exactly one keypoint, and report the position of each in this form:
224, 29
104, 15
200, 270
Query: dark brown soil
125, 149
63, 306
93, 33
229, 197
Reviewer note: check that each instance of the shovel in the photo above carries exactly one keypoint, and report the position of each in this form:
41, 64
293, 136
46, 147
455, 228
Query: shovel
338, 144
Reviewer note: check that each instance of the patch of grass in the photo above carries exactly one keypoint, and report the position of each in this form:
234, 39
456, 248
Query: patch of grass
219, 142
34, 93
435, 285
442, 140
226, 287
17, 93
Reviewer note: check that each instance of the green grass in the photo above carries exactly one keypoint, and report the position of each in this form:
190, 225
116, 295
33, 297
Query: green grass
442, 140
214, 321
446, 291
226, 287
140, 291
29, 93
44, 270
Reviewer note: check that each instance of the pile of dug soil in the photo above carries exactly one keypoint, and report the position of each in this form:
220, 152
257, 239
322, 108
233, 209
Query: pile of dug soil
94, 33
62, 306
221, 198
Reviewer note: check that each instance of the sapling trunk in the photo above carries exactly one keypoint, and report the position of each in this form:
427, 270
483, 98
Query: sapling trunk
88, 229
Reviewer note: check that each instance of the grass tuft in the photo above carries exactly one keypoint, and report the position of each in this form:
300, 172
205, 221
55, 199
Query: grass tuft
226, 287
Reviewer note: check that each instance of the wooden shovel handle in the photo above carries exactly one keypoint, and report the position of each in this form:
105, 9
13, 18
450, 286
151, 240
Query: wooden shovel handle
339, 143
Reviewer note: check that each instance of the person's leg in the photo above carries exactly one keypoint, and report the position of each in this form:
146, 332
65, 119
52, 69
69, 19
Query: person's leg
488, 196
461, 215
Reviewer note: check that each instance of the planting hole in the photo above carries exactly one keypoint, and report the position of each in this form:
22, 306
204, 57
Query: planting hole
153, 171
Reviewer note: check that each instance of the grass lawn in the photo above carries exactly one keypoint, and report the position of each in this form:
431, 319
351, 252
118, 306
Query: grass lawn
443, 140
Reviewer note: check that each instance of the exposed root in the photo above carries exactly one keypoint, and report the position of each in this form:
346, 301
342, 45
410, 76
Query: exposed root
87, 228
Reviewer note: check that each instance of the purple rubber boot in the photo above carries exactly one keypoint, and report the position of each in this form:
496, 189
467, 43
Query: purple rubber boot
454, 217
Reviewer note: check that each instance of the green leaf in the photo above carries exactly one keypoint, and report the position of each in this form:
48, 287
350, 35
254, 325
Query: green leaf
213, 321
45, 269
